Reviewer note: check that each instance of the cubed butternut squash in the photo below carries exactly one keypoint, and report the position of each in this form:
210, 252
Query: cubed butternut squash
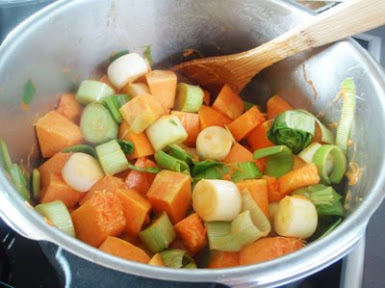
162, 84
124, 249
69, 107
229, 103
55, 132
136, 210
171, 192
99, 217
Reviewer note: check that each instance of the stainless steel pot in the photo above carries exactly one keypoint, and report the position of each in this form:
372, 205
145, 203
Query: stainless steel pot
67, 42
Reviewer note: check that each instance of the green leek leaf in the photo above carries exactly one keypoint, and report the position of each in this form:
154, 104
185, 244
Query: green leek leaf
29, 91
279, 160
294, 129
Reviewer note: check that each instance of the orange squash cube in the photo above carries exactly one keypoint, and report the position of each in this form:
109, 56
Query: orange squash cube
55, 132
57, 189
142, 146
211, 117
192, 232
243, 125
258, 191
141, 111
162, 84
136, 210
141, 181
124, 249
69, 107
171, 192
190, 122
107, 183
99, 217
229, 103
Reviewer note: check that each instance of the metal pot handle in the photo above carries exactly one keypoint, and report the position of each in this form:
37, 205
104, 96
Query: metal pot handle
353, 266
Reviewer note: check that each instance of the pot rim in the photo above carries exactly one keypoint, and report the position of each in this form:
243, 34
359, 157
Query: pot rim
289, 268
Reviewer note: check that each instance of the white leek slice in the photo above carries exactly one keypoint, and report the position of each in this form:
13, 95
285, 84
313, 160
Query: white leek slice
296, 217
57, 212
214, 143
308, 153
126, 69
81, 172
136, 89
165, 131
216, 200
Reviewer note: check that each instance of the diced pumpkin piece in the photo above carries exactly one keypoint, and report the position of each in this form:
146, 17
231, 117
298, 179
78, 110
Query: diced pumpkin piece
206, 97
257, 138
210, 117
229, 103
192, 232
243, 125
55, 132
136, 210
69, 107
107, 183
298, 178
136, 89
238, 153
267, 249
223, 259
297, 162
258, 191
140, 112
124, 249
157, 260
57, 189
162, 84
53, 165
261, 164
171, 192
141, 181
142, 146
272, 188
190, 122
99, 217
276, 105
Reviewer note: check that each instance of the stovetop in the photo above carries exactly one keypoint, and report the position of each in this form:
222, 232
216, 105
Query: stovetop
23, 263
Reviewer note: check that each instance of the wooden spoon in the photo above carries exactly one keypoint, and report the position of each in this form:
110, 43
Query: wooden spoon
344, 20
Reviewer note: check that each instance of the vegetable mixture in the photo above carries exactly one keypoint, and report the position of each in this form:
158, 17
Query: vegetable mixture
160, 172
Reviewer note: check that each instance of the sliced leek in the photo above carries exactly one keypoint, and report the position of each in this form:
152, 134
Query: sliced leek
82, 171
111, 157
326, 200
214, 143
307, 154
331, 163
36, 184
327, 136
177, 258
127, 146
58, 213
189, 98
97, 125
296, 217
279, 160
294, 129
83, 148
18, 179
165, 131
126, 69
159, 235
169, 162
5, 159
216, 200
179, 153
220, 238
347, 114
93, 91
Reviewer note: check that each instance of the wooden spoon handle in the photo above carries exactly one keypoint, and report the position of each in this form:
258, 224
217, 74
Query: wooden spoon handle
346, 19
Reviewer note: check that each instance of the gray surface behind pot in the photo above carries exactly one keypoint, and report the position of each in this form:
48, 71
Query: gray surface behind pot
62, 48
